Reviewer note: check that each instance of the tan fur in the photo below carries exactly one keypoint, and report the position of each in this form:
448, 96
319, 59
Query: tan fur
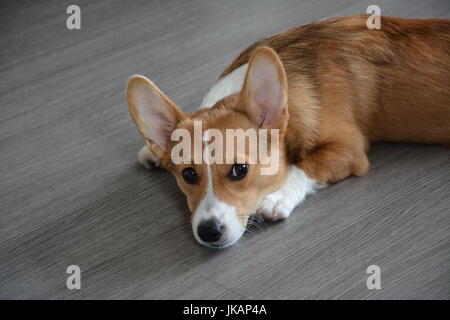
347, 86
244, 195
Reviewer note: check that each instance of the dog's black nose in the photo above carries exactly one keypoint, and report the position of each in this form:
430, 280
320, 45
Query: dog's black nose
210, 230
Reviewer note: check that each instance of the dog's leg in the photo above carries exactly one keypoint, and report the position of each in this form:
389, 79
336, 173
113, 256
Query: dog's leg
279, 204
336, 161
329, 162
145, 157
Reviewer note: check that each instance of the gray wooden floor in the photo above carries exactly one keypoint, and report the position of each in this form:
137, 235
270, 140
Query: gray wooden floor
72, 191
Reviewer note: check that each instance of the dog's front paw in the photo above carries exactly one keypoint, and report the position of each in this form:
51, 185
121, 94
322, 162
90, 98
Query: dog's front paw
146, 157
279, 205
276, 206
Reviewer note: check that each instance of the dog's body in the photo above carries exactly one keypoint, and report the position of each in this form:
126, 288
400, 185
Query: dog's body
331, 88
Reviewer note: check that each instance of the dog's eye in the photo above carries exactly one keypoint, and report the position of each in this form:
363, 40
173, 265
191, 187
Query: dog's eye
190, 176
238, 171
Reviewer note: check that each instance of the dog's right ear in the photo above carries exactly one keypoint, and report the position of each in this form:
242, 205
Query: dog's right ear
264, 93
155, 115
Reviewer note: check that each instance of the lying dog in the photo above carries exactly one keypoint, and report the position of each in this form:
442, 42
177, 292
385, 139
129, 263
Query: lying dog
330, 88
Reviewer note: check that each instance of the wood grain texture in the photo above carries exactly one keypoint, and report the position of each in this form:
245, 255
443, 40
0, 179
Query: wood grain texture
73, 193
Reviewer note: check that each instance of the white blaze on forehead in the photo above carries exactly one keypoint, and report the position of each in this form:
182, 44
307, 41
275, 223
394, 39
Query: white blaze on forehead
211, 207
230, 84
210, 198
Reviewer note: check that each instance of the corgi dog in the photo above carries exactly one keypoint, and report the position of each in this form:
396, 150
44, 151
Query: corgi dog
329, 88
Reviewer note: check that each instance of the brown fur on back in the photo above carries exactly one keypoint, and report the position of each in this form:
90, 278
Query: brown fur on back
391, 84
398, 73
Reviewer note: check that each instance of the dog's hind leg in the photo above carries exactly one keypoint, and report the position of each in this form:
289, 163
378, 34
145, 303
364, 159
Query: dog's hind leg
336, 160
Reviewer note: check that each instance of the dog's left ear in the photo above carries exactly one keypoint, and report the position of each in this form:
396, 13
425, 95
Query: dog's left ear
153, 112
264, 94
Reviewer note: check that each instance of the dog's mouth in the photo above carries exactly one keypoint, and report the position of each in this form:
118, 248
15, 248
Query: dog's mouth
216, 246
221, 244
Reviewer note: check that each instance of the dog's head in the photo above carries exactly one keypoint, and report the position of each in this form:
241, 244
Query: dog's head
223, 182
